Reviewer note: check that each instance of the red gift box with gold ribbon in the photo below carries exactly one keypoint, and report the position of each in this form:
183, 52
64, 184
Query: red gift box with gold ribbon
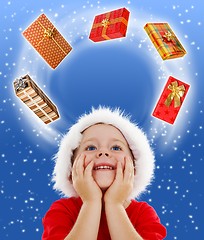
47, 41
110, 25
171, 100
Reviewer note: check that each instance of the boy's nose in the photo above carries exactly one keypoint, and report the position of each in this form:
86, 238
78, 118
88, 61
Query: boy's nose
103, 153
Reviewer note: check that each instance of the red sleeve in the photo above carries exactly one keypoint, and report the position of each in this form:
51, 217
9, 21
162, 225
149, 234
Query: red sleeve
58, 221
147, 223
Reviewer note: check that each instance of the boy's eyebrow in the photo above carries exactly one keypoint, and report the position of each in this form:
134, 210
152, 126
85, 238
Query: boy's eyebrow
112, 139
90, 139
118, 140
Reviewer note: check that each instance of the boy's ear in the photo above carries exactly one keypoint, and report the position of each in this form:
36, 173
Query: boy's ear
134, 171
74, 153
70, 178
134, 165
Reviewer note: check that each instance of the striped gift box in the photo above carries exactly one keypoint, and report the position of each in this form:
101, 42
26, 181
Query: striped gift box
164, 40
28, 91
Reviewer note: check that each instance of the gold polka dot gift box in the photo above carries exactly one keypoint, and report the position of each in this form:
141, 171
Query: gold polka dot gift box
164, 40
29, 92
110, 25
47, 41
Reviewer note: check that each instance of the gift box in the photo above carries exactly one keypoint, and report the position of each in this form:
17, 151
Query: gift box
164, 40
110, 25
28, 91
171, 100
47, 41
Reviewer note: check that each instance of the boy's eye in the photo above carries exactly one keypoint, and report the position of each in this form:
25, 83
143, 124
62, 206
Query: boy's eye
116, 148
90, 148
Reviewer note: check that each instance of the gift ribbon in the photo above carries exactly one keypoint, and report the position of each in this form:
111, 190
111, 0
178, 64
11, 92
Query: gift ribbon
49, 33
106, 22
37, 105
169, 36
176, 93
20, 84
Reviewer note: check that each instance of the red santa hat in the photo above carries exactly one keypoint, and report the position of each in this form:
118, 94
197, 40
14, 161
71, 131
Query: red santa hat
135, 137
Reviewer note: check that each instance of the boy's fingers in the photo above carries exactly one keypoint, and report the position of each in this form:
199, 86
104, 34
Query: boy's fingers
88, 169
119, 171
74, 167
129, 169
79, 167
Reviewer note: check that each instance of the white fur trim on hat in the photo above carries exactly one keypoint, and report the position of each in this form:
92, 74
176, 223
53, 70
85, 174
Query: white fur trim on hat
137, 140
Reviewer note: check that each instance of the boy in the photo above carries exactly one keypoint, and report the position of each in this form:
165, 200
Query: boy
103, 163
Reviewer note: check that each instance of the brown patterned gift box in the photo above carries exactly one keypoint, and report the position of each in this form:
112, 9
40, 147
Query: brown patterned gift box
28, 91
164, 40
47, 40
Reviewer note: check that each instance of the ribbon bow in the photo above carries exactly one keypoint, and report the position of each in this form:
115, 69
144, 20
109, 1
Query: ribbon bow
105, 22
176, 93
168, 36
20, 83
49, 33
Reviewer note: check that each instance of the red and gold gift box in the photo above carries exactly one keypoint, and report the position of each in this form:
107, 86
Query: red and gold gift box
110, 25
28, 91
164, 40
171, 100
47, 41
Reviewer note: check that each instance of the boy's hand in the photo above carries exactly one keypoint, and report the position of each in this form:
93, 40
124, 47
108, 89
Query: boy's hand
83, 181
122, 186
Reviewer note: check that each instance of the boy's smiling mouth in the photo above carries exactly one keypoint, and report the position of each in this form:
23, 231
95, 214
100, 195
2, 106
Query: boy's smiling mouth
103, 167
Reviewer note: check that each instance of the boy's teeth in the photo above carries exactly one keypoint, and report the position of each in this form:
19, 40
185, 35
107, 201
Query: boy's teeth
104, 167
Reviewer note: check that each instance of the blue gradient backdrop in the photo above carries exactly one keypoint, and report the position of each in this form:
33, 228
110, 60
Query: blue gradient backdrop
126, 73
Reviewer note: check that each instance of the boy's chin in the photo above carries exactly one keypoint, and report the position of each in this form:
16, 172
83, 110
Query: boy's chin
104, 185
103, 189
104, 179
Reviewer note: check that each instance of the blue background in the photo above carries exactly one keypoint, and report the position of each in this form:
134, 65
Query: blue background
126, 73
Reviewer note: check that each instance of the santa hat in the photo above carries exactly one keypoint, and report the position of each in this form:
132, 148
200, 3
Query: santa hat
135, 137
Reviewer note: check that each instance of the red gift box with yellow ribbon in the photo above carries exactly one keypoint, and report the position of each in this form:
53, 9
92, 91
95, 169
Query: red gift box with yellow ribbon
47, 41
110, 25
171, 100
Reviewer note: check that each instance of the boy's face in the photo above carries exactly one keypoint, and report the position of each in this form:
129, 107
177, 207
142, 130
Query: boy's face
105, 145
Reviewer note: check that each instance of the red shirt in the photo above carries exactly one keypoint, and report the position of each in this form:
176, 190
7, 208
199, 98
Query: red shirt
60, 218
